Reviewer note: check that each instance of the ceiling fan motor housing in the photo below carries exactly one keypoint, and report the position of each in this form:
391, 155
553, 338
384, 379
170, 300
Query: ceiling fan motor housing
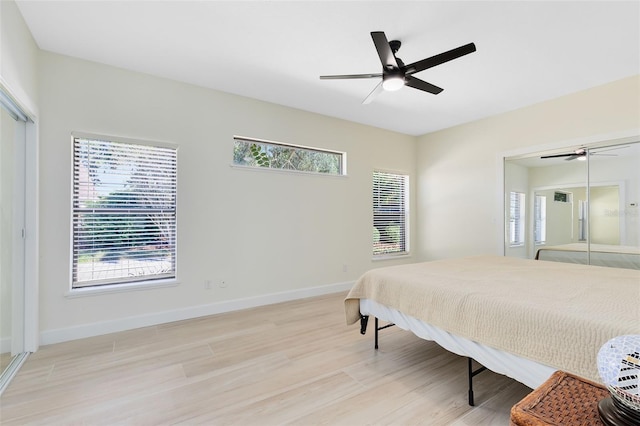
395, 45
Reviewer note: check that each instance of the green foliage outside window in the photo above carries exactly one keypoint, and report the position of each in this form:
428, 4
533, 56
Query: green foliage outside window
286, 157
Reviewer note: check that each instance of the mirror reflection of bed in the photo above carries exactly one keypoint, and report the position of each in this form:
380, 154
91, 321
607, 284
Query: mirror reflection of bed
575, 211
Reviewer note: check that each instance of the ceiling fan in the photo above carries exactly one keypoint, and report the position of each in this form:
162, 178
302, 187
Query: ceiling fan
581, 154
395, 74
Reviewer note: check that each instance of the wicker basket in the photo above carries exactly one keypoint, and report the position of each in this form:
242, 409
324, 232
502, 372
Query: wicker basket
564, 399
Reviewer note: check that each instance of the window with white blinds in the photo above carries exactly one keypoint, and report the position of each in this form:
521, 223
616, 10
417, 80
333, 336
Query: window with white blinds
540, 219
390, 213
516, 218
124, 212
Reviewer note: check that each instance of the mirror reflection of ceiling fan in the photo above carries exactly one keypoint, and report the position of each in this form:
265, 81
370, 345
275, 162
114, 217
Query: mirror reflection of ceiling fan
581, 153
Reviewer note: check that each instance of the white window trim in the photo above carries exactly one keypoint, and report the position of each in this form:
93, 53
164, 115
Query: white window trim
390, 256
285, 171
407, 213
342, 154
72, 291
121, 288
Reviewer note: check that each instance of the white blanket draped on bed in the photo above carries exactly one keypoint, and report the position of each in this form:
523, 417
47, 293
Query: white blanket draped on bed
553, 313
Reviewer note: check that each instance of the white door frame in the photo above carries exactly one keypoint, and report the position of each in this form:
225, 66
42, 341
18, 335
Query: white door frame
27, 213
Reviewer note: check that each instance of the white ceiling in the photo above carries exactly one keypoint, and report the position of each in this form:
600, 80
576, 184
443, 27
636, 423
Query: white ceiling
527, 52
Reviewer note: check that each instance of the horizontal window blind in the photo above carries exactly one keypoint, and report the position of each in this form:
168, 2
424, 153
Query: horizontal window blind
124, 212
390, 213
540, 219
516, 218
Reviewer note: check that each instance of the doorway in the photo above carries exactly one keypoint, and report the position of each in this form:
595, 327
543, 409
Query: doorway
13, 145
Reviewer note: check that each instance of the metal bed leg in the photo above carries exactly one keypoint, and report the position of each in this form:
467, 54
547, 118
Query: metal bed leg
375, 346
364, 320
471, 374
378, 328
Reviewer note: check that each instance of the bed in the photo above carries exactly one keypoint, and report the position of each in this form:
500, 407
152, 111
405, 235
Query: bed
600, 254
519, 317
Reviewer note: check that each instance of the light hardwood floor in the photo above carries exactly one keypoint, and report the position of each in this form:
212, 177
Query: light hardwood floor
292, 363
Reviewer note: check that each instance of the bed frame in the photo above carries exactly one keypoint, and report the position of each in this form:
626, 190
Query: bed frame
468, 307
471, 373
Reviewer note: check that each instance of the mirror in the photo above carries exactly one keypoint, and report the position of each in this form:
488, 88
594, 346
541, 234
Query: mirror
577, 205
12, 247
7, 125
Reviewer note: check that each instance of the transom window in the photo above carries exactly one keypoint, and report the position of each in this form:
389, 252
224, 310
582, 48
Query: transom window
124, 212
275, 155
390, 213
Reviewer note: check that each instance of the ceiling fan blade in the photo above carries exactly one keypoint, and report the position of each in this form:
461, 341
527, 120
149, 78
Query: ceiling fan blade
345, 76
385, 53
375, 92
416, 83
558, 155
599, 150
440, 58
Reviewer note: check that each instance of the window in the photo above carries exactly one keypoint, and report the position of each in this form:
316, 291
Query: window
390, 213
583, 209
540, 217
124, 212
273, 155
516, 218
562, 197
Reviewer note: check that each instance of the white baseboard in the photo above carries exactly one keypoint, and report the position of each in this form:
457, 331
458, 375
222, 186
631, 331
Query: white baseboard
48, 337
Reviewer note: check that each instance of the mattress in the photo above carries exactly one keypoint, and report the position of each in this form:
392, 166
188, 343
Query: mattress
525, 371
554, 314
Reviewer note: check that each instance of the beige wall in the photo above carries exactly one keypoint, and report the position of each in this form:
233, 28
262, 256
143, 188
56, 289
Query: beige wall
262, 232
18, 58
459, 194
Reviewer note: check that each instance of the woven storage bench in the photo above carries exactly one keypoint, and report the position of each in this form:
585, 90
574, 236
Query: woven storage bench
564, 399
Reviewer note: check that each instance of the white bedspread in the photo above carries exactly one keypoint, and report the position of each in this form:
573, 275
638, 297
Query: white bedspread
555, 314
525, 371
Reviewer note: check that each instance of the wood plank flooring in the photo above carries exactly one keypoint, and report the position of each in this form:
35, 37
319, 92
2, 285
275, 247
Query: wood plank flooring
294, 363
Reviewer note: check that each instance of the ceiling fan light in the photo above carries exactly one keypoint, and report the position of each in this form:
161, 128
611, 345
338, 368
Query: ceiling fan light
582, 157
392, 83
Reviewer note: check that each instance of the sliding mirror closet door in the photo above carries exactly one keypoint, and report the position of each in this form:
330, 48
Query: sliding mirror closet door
578, 205
542, 198
614, 216
12, 251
